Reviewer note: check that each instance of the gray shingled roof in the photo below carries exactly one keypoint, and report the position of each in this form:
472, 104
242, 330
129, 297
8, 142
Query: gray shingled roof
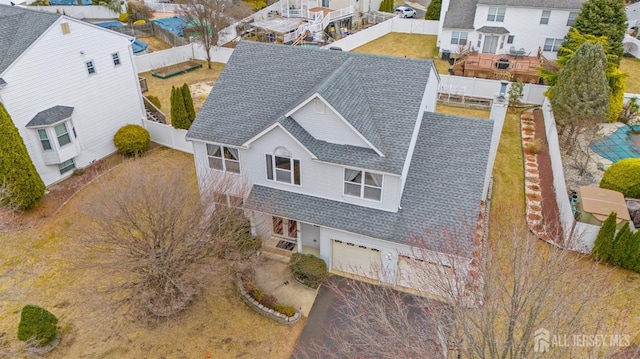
545, 4
460, 15
50, 116
2, 82
443, 189
498, 30
19, 28
262, 82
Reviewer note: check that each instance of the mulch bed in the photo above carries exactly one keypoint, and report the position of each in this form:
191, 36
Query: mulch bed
550, 211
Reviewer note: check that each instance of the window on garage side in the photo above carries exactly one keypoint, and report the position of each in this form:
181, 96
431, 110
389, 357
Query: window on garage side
67, 166
362, 184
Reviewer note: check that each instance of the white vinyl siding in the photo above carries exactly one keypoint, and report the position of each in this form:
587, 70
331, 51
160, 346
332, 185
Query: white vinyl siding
326, 126
223, 158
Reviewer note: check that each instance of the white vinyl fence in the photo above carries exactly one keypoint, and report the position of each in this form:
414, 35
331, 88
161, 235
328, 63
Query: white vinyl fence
168, 136
485, 88
396, 24
586, 233
80, 11
174, 55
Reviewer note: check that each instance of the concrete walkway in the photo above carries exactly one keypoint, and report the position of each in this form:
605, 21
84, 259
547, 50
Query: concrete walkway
274, 276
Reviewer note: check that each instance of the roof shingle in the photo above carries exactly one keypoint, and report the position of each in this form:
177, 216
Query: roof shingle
262, 82
19, 28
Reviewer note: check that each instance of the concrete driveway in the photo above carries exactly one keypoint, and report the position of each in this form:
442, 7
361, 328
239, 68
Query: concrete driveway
328, 315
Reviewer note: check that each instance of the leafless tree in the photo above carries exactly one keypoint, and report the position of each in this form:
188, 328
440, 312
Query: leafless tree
152, 235
205, 19
576, 143
494, 306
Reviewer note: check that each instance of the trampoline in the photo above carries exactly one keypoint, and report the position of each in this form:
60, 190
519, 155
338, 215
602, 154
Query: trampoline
623, 143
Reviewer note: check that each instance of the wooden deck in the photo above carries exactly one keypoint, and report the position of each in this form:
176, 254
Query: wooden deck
498, 67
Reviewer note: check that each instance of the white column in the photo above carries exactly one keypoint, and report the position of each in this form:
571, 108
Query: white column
299, 236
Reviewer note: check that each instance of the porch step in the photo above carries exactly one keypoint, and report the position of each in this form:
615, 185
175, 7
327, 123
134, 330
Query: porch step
276, 254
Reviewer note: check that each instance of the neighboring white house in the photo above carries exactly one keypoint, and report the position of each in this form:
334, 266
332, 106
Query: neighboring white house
68, 86
506, 26
345, 157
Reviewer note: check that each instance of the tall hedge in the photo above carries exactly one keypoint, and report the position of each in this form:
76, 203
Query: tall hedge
620, 247
16, 169
37, 324
433, 10
188, 104
179, 115
603, 245
623, 176
386, 6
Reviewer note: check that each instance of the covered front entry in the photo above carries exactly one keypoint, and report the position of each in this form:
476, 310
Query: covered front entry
355, 259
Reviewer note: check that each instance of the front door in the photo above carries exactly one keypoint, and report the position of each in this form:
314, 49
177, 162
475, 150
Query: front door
490, 44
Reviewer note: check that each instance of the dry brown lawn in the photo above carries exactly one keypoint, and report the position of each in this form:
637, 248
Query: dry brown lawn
43, 266
200, 81
631, 66
154, 43
406, 45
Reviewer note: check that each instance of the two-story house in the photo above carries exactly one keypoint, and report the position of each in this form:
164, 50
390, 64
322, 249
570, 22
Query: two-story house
68, 86
506, 26
344, 157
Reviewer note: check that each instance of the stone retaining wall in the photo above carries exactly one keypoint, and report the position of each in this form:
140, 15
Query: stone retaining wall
261, 309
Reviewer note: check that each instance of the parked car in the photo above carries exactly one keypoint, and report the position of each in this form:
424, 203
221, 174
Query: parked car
405, 11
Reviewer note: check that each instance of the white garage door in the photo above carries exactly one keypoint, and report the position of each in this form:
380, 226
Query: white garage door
355, 259
423, 275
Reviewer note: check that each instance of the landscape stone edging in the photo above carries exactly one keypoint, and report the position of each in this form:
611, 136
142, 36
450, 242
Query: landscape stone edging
533, 212
261, 309
302, 284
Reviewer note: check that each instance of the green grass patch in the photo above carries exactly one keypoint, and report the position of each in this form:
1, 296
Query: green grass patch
406, 45
631, 67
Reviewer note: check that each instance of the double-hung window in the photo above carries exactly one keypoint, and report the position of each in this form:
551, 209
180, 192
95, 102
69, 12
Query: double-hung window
91, 67
44, 139
459, 38
116, 58
63, 134
572, 18
552, 44
496, 14
544, 19
283, 169
362, 184
223, 158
